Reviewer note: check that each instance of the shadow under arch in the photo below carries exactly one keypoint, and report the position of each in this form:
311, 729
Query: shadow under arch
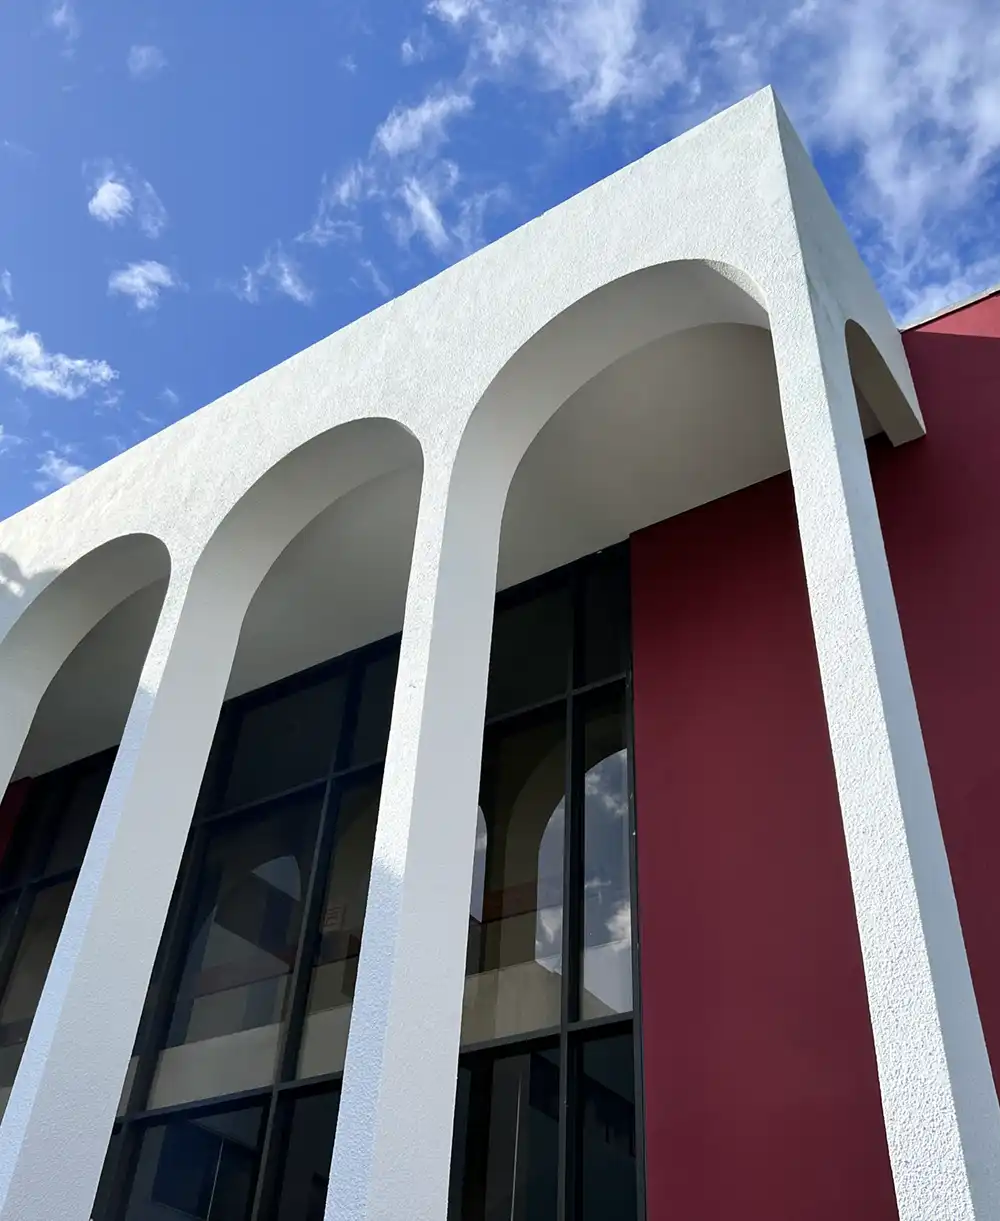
877, 387
287, 497
581, 341
58, 611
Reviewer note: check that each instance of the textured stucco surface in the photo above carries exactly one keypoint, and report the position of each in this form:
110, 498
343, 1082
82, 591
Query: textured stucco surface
727, 224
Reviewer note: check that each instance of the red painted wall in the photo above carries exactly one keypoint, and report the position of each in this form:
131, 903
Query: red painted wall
761, 1092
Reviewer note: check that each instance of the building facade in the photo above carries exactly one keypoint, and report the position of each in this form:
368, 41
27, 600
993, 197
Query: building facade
474, 770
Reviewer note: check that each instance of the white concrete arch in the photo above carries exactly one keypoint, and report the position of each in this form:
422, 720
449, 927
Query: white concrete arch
79, 1049
49, 613
570, 349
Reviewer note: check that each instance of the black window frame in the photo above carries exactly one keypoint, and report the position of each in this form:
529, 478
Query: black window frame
580, 693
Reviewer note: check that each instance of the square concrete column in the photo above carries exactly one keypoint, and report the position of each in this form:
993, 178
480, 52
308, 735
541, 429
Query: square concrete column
392, 1152
59, 1117
938, 1095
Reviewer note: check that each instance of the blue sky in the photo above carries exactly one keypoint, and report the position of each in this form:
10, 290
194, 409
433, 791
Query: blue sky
191, 192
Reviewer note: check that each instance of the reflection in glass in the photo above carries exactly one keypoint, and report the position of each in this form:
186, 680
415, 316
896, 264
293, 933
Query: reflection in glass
331, 990
505, 1159
605, 618
371, 734
223, 1033
204, 1169
48, 910
529, 658
606, 1127
305, 1166
75, 819
286, 742
606, 983
514, 964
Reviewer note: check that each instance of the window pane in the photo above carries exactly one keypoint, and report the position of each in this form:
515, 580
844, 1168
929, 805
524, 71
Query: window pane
75, 820
286, 742
605, 617
529, 660
606, 1117
27, 979
204, 1169
305, 1170
514, 962
375, 709
606, 983
223, 1034
505, 1157
331, 990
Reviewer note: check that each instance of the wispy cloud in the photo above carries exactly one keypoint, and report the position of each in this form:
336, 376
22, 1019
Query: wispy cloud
64, 21
422, 214
278, 273
24, 359
408, 129
118, 193
338, 198
598, 53
57, 470
377, 280
415, 47
8, 440
143, 282
908, 92
145, 61
7, 284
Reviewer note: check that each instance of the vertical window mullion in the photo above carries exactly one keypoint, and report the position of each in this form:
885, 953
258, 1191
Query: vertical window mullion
640, 1094
572, 870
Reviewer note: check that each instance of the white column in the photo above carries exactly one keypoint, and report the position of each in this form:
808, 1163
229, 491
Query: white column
393, 1147
58, 1120
938, 1096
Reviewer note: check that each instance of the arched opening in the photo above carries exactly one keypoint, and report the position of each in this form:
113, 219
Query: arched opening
644, 400
78, 648
630, 422
235, 1081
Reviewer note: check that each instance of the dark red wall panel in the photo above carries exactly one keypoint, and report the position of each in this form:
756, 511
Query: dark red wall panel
761, 1092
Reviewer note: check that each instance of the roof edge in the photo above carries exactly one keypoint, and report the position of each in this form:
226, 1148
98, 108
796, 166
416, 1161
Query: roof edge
952, 309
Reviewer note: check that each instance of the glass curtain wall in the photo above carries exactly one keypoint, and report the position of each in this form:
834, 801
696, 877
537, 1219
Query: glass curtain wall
230, 1104
547, 1126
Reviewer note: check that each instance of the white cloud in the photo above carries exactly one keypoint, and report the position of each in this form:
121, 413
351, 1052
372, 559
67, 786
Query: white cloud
376, 278
64, 21
24, 359
57, 470
143, 282
598, 53
170, 397
8, 440
422, 215
7, 284
111, 202
415, 47
145, 61
420, 127
909, 92
278, 272
337, 196
120, 193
